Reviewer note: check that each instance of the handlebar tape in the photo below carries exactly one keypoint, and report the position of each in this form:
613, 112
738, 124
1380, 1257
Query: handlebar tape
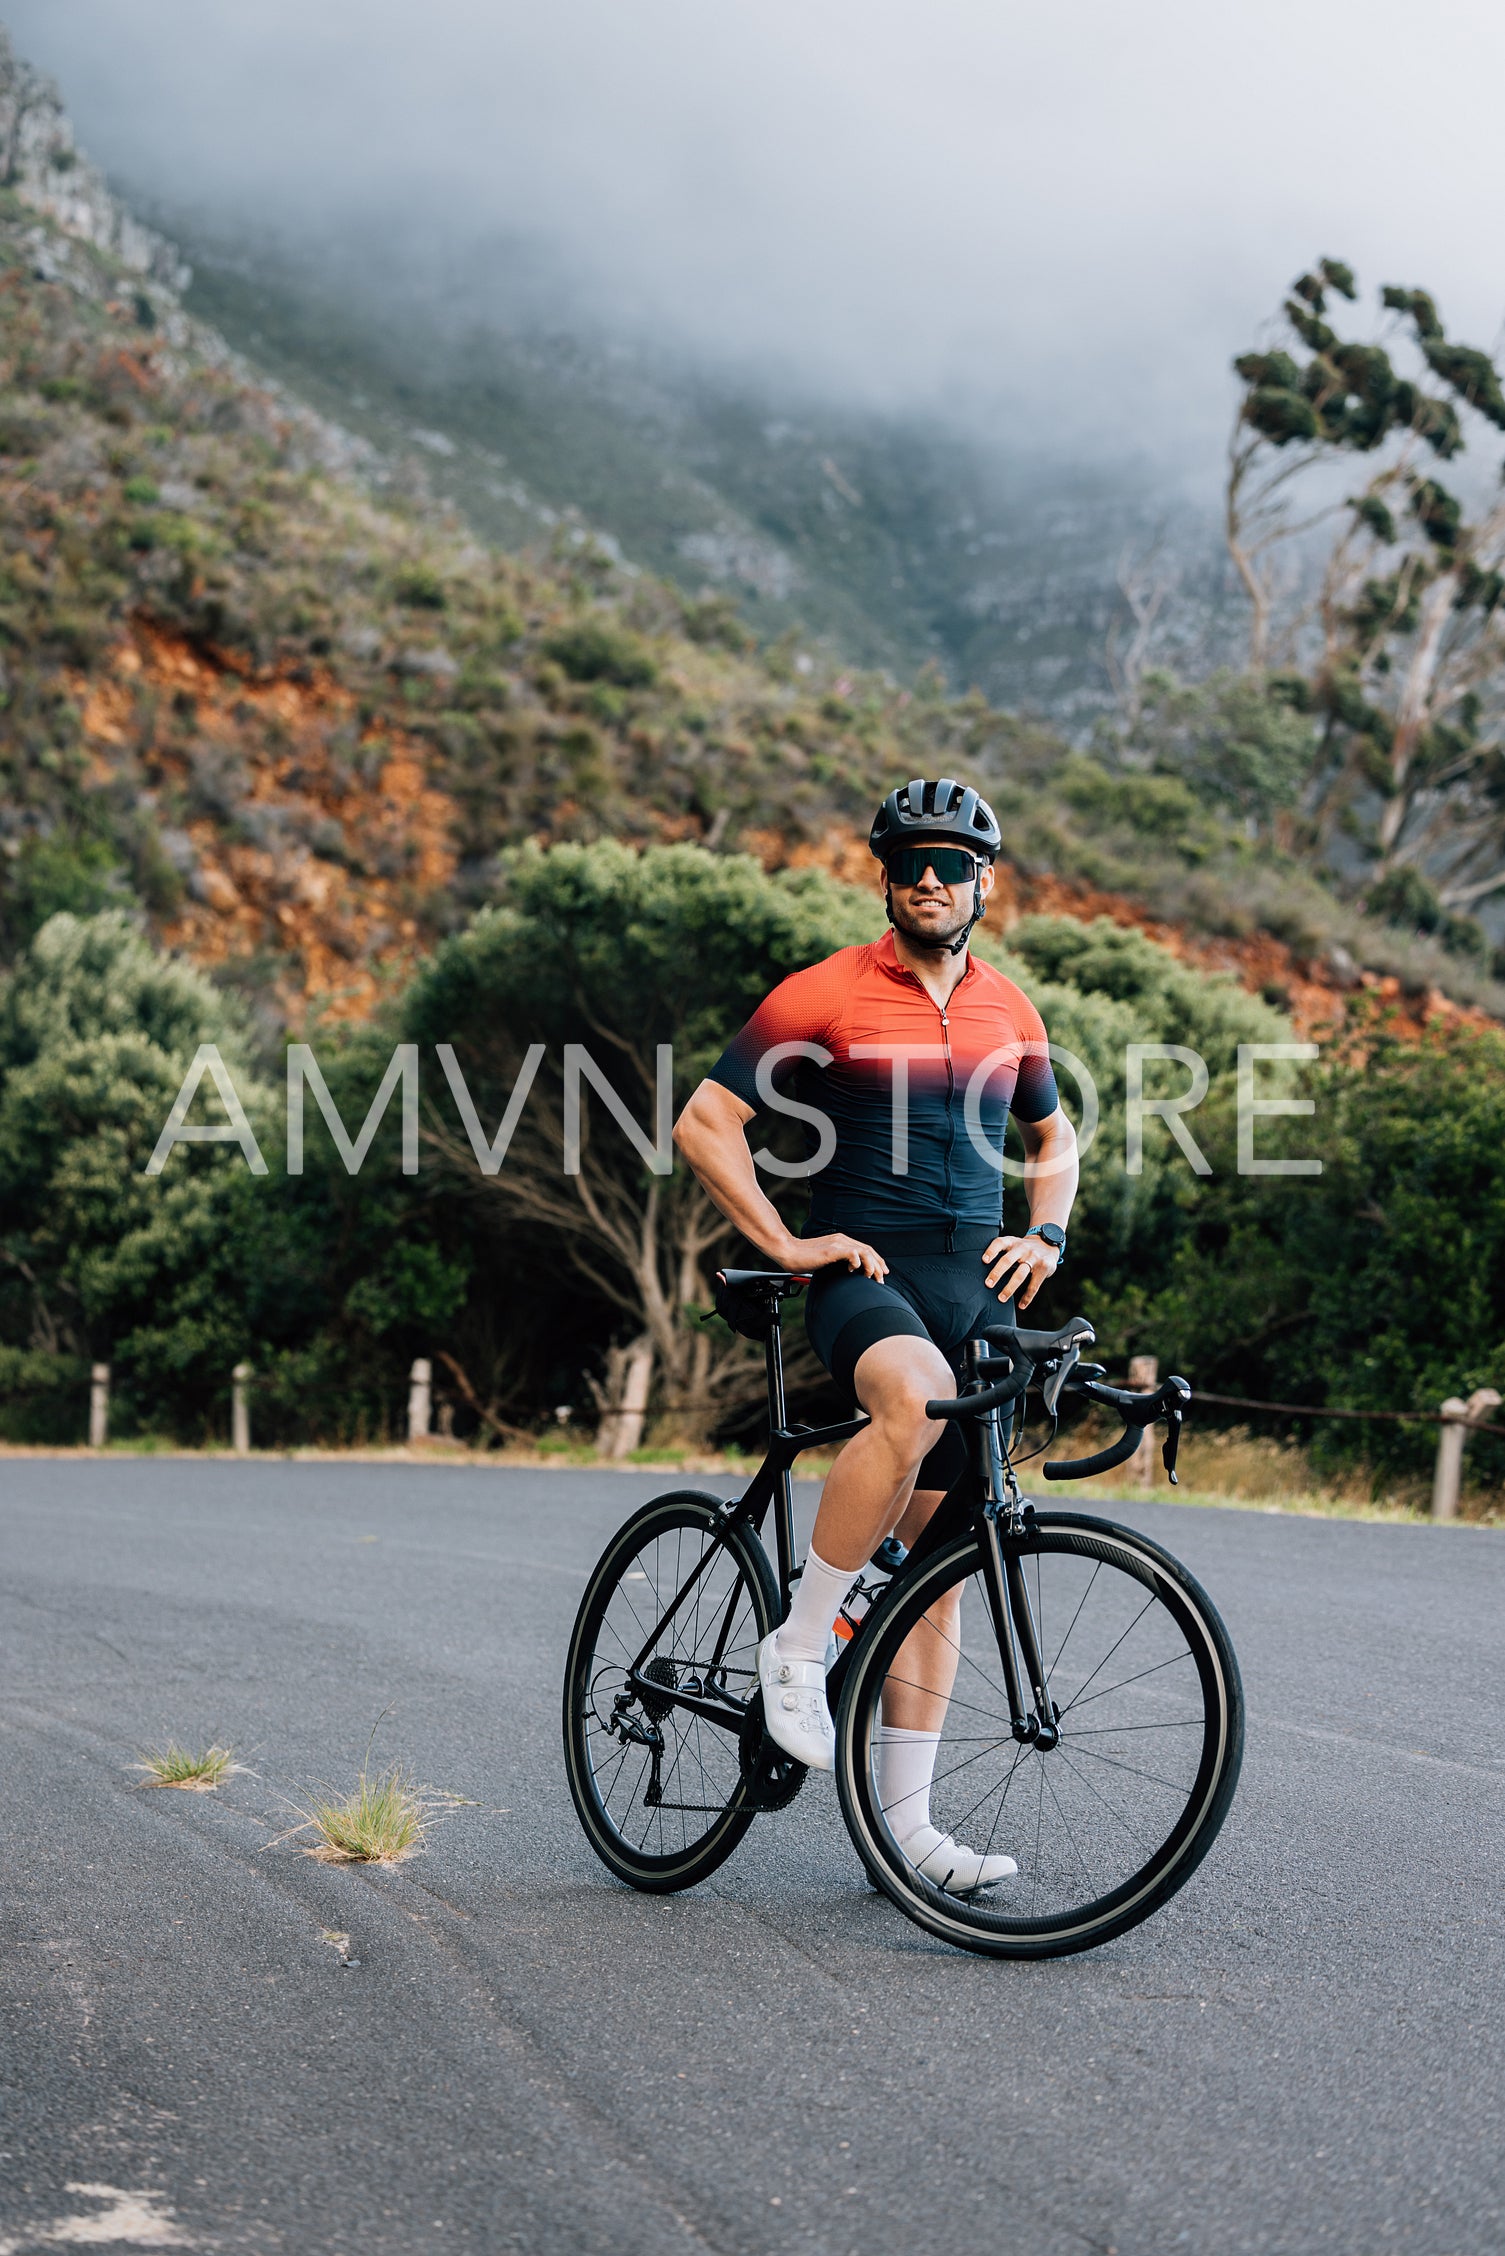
991, 1398
1173, 1394
1083, 1468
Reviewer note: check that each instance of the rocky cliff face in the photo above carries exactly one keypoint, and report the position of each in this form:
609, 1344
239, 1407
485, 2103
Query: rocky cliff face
40, 162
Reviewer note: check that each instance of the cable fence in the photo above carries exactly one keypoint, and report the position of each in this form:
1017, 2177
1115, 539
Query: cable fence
1456, 1419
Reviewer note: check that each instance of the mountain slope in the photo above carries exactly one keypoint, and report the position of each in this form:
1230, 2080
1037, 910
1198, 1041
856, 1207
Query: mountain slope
900, 540
263, 684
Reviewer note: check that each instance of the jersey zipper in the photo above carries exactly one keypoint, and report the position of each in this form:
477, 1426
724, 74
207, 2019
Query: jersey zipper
950, 1129
942, 1011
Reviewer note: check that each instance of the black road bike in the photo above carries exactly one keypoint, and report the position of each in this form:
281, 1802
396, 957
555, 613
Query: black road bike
1094, 1726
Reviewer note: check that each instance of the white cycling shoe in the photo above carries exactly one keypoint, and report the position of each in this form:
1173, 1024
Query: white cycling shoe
961, 1872
795, 1714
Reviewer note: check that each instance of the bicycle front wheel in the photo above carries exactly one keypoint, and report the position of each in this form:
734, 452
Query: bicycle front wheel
659, 1789
1106, 1824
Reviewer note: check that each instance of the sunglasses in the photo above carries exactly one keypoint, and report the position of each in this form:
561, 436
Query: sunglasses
953, 865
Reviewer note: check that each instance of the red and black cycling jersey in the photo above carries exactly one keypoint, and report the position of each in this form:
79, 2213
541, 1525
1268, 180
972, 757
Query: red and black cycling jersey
896, 1087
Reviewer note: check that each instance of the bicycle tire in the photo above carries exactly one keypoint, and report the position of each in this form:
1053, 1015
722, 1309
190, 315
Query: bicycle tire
609, 1785
1203, 1746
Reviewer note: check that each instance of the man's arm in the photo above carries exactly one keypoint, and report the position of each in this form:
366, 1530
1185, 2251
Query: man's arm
710, 1134
1021, 1265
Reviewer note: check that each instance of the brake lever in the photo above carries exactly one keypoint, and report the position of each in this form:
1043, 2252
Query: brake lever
1050, 1392
1178, 1394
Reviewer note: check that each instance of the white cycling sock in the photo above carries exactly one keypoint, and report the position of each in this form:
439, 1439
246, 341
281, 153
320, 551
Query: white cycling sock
817, 1600
903, 1766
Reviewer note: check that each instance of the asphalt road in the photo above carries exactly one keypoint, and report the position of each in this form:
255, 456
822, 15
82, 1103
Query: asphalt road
1305, 2052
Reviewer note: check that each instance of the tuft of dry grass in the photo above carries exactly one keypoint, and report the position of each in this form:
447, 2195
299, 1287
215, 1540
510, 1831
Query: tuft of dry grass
381, 1820
192, 1773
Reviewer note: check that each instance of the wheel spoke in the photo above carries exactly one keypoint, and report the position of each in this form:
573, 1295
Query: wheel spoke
1113, 1812
1112, 1649
1137, 1678
1081, 1602
1113, 1762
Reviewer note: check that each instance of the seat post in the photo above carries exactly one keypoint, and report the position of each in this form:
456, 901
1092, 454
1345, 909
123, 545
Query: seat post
773, 1358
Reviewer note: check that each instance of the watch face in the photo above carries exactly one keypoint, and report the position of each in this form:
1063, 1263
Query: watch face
1052, 1233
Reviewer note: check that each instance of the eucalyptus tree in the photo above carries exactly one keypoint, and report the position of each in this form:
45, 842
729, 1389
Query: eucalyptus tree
1399, 659
569, 1020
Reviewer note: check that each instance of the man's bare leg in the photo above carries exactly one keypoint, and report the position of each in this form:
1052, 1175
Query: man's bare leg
919, 1683
870, 1493
868, 1488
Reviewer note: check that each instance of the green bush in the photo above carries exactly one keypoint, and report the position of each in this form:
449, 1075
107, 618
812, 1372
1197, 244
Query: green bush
102, 1261
55, 874
1236, 741
421, 588
1379, 1284
1403, 897
1100, 987
595, 650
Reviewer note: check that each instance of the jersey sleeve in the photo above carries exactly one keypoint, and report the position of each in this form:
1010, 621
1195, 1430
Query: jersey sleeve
1035, 1093
798, 1010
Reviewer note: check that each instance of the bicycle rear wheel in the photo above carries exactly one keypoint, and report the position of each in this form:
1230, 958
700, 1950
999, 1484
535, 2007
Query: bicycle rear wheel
1107, 1824
660, 1790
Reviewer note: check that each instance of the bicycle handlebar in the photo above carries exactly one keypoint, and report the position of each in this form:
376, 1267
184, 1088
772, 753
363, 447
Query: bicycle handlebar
990, 1398
1136, 1410
1083, 1468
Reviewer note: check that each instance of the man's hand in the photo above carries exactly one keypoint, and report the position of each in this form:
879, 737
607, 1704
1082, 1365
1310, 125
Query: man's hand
1020, 1265
830, 1251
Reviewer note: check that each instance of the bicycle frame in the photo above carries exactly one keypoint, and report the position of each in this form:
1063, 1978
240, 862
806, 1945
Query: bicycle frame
986, 1497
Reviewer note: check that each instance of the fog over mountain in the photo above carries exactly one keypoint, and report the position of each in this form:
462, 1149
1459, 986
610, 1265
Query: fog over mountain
1066, 219
907, 326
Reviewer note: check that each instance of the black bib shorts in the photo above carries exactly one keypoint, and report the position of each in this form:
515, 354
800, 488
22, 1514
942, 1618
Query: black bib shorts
934, 1290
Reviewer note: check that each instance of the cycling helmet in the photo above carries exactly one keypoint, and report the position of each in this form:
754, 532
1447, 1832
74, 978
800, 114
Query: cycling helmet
945, 811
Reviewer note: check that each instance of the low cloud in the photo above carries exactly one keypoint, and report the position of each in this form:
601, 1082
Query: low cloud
1065, 218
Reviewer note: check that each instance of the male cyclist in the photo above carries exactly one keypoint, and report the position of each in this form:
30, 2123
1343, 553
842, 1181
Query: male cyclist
914, 1054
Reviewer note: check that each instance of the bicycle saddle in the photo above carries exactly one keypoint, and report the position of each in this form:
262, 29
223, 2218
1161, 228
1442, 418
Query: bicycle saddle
1076, 1333
748, 1299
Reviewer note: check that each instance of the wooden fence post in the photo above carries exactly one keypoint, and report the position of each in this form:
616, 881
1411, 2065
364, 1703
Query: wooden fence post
240, 1409
1457, 1416
1144, 1377
420, 1398
99, 1405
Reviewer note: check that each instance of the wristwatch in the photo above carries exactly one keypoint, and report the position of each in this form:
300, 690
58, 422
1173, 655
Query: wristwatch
1053, 1235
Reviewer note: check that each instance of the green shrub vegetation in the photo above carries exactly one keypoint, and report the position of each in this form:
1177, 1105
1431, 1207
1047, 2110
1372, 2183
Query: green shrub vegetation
1379, 1285
101, 1262
1376, 1285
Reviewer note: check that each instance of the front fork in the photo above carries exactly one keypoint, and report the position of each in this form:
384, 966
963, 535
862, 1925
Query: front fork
1006, 1523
